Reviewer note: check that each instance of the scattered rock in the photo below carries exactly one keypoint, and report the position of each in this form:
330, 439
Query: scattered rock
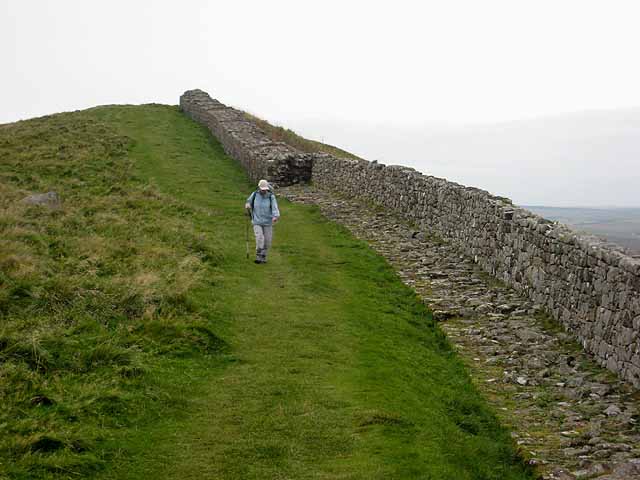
612, 410
600, 389
575, 452
626, 471
49, 200
560, 474
594, 470
443, 315
529, 335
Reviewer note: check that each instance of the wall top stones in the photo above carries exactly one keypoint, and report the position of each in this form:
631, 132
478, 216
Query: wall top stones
246, 142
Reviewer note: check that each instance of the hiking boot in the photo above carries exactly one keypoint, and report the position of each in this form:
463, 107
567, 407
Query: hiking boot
260, 256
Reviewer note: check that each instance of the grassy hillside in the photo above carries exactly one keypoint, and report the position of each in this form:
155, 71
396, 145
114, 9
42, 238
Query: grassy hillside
137, 341
91, 294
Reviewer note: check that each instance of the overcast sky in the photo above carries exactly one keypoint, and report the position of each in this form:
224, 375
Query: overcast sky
388, 70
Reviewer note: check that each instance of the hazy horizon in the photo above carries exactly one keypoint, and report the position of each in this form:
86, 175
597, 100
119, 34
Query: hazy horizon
432, 85
381, 143
579, 159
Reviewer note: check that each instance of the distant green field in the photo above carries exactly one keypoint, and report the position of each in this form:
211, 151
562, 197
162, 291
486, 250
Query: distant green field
137, 341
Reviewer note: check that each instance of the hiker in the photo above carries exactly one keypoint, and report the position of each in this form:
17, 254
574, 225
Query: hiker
262, 207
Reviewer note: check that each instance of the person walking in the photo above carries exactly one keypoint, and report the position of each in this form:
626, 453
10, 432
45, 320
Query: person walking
262, 207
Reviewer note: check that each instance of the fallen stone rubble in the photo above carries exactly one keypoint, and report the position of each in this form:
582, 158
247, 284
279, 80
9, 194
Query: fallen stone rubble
569, 417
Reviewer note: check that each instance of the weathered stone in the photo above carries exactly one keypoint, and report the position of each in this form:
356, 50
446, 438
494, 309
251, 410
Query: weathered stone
576, 452
529, 335
244, 141
593, 471
627, 471
600, 389
49, 200
612, 410
560, 474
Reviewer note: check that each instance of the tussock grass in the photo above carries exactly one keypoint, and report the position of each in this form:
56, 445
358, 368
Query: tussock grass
90, 293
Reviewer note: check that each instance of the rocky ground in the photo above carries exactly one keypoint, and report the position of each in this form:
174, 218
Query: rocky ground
571, 418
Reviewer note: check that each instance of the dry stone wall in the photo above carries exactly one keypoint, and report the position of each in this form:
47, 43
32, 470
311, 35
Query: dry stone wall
591, 287
243, 140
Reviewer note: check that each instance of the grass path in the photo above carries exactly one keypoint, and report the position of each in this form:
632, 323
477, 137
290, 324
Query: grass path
334, 371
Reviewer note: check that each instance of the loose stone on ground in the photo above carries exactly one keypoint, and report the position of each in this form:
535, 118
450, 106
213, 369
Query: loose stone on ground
50, 200
570, 417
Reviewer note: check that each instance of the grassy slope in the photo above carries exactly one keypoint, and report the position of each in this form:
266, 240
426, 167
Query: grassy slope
93, 296
329, 368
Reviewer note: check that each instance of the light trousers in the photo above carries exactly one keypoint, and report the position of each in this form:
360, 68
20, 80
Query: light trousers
264, 236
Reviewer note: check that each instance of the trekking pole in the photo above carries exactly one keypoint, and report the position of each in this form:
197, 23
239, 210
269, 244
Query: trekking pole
247, 232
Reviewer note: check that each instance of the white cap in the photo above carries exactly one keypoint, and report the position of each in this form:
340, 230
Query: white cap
263, 185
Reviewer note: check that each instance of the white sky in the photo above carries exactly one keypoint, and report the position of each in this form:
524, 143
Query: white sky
400, 64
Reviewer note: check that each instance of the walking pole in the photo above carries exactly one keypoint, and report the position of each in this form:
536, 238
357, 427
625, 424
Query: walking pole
247, 231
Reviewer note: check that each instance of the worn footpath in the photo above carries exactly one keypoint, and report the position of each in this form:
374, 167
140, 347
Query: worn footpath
570, 417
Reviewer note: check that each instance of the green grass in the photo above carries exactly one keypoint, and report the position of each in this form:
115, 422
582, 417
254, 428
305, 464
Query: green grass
137, 340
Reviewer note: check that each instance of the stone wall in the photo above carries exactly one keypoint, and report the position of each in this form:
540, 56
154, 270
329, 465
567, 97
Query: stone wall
244, 141
589, 286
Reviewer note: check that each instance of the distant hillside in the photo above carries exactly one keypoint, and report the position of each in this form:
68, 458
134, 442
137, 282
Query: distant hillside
618, 225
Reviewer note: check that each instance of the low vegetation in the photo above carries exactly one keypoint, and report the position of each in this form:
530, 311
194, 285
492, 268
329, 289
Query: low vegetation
89, 292
137, 340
